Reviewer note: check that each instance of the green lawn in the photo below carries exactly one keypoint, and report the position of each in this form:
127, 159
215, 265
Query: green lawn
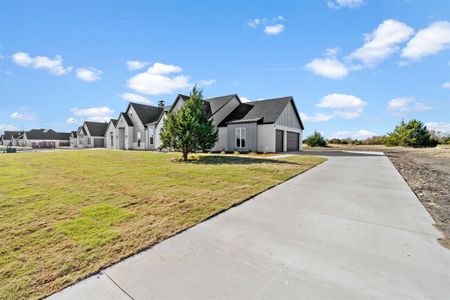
65, 215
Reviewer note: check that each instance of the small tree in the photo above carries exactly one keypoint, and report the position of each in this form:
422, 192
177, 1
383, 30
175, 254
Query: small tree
190, 129
316, 140
411, 134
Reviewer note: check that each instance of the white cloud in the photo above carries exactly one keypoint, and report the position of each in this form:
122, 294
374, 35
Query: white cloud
441, 127
361, 134
22, 116
54, 66
7, 127
318, 117
159, 68
446, 85
428, 41
89, 74
156, 80
274, 29
254, 22
341, 105
382, 42
406, 104
72, 120
98, 114
328, 67
1, 57
136, 98
341, 101
336, 4
207, 82
244, 99
136, 64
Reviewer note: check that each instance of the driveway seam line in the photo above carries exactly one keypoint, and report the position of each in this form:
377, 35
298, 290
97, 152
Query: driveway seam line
116, 284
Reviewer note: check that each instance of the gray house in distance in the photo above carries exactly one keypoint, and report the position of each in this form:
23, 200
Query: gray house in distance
91, 135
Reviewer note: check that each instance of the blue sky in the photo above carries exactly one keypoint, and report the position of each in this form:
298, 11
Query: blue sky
354, 67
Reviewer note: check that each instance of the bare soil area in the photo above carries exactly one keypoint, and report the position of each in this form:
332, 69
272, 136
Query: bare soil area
427, 172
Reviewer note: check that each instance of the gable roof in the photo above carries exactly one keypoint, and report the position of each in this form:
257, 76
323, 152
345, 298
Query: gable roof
73, 134
216, 103
146, 113
114, 121
83, 131
127, 118
179, 96
96, 128
262, 111
46, 134
9, 135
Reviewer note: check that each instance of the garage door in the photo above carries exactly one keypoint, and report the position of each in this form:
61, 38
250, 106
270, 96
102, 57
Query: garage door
293, 141
279, 141
99, 143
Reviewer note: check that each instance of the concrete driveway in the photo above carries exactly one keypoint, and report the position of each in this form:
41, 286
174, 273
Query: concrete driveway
350, 228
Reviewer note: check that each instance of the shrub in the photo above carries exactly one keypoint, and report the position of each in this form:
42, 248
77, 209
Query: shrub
411, 134
315, 140
223, 152
236, 152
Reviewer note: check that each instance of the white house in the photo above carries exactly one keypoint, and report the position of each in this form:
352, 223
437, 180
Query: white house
272, 125
91, 135
11, 137
138, 126
73, 139
45, 138
111, 135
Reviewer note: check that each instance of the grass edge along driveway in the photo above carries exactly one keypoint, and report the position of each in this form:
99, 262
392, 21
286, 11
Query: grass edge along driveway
68, 214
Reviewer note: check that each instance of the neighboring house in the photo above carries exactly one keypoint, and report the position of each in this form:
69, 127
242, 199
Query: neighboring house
111, 134
272, 125
91, 135
137, 127
45, 138
13, 137
73, 139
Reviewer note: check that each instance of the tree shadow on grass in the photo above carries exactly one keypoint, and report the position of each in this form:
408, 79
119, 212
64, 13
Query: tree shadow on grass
235, 160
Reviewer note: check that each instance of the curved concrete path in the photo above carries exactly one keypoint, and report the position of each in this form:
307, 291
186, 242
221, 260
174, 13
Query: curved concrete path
350, 228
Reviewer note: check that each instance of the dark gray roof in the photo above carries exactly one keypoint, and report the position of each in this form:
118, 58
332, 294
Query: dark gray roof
82, 130
127, 119
217, 103
9, 135
147, 113
263, 111
74, 134
46, 134
114, 121
96, 128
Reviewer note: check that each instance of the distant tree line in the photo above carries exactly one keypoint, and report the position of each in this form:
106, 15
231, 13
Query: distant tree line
411, 134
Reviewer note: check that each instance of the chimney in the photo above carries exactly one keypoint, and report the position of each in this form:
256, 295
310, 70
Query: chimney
161, 103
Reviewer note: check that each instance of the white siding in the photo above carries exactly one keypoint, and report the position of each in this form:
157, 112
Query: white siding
138, 127
266, 138
288, 117
111, 132
222, 141
251, 137
178, 105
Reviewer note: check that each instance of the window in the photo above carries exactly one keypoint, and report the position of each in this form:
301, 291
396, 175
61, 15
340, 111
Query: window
240, 137
112, 139
89, 140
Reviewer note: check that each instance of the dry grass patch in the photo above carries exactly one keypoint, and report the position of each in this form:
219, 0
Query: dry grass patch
65, 215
